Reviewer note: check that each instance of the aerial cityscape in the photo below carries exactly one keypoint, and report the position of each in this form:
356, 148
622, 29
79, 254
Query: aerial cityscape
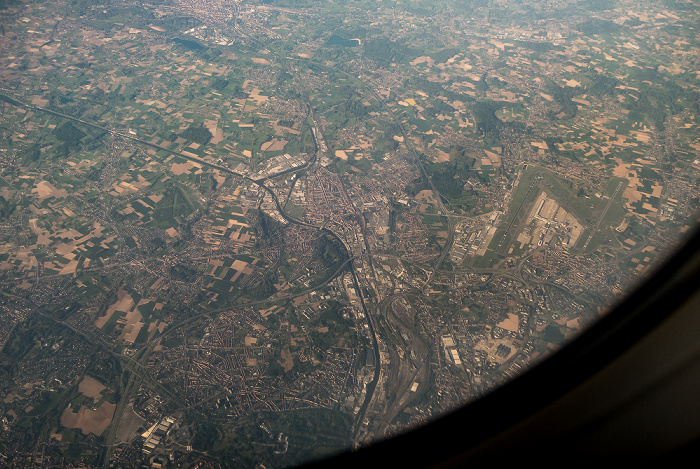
255, 233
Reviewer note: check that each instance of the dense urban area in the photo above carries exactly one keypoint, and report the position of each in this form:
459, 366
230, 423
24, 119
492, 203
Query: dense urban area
252, 233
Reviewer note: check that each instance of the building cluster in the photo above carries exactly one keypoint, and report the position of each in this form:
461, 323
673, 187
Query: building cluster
472, 236
157, 434
278, 165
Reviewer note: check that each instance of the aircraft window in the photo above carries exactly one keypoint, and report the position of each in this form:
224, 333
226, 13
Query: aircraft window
259, 233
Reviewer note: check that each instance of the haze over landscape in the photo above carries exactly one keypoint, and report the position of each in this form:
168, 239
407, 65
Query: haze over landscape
244, 233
